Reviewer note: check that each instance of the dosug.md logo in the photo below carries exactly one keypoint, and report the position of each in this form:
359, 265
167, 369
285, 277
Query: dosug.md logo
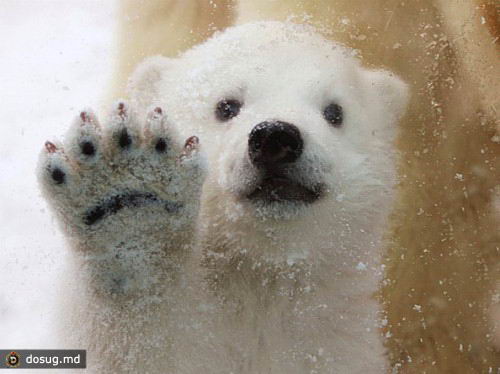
13, 360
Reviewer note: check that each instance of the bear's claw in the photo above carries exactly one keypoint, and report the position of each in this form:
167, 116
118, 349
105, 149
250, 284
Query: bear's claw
50, 147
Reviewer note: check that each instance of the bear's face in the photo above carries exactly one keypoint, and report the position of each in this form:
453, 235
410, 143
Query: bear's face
290, 121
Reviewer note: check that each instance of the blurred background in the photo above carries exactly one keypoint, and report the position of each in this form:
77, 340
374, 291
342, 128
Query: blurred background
55, 58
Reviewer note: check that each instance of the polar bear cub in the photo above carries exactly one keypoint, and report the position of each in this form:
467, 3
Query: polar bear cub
301, 168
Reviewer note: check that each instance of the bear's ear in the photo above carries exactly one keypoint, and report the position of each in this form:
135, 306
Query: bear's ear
144, 85
389, 93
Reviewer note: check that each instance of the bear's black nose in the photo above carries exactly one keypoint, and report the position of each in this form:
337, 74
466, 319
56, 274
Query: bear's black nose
274, 143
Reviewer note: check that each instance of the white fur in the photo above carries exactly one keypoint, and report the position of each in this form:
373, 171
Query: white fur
285, 287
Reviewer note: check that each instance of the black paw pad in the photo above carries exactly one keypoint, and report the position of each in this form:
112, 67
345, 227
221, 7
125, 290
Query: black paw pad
124, 139
128, 199
58, 176
87, 148
161, 145
94, 215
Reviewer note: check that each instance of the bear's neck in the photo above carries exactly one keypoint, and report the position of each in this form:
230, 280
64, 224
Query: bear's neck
240, 276
291, 260
242, 279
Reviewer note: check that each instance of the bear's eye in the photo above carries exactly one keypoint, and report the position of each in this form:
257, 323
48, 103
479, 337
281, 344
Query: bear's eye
333, 114
227, 109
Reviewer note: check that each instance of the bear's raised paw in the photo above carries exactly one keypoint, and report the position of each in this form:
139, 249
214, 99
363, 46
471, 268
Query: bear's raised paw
123, 182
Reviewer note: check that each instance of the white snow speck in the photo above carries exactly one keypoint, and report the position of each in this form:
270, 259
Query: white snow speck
361, 266
340, 197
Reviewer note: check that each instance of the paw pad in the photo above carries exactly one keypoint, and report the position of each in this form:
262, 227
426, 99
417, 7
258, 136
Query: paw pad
58, 176
87, 148
161, 145
124, 139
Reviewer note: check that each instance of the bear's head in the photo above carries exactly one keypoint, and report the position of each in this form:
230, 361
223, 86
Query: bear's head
299, 136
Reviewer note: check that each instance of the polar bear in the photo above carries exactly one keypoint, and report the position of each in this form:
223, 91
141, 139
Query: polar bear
271, 262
